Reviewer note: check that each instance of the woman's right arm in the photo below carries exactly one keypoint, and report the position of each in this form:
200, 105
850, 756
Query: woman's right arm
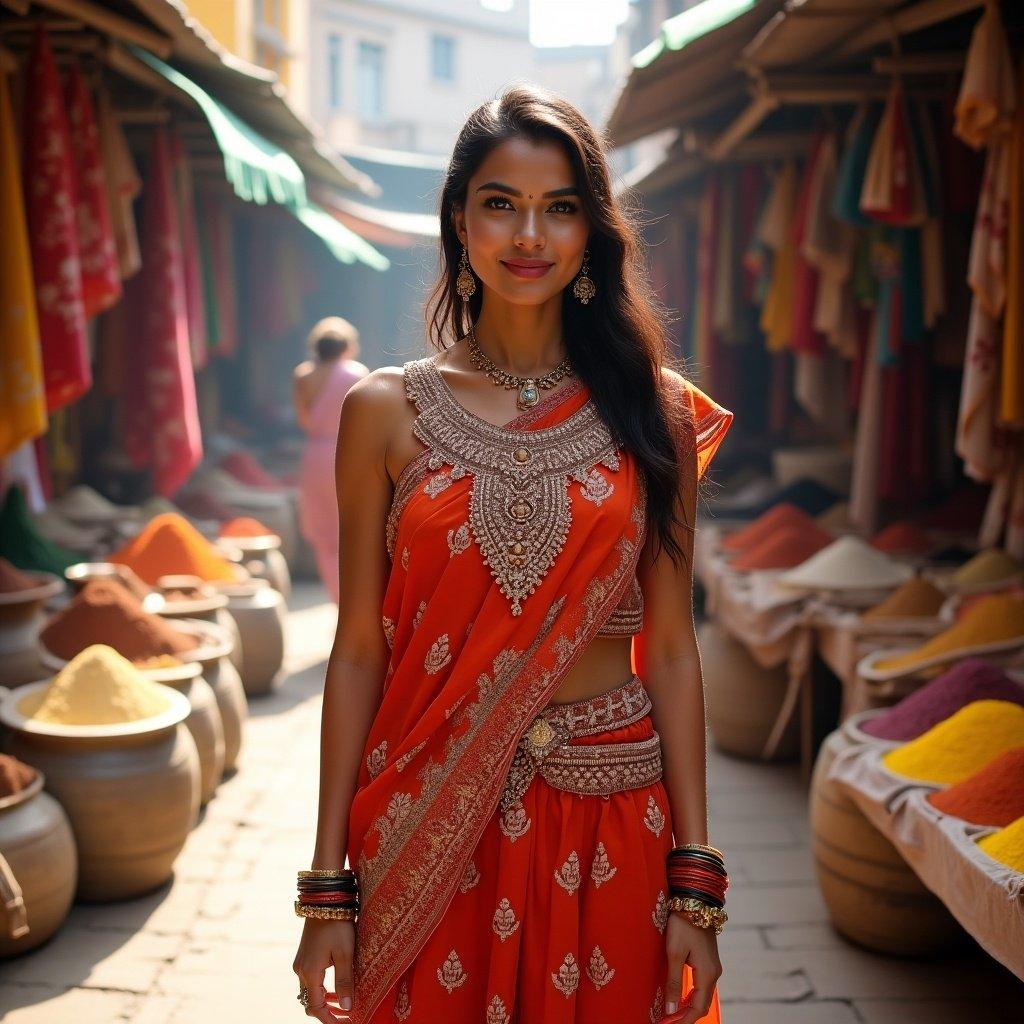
356, 667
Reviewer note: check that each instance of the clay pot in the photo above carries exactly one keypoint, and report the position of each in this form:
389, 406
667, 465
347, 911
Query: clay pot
259, 611
208, 604
37, 851
873, 896
263, 559
21, 618
743, 699
130, 790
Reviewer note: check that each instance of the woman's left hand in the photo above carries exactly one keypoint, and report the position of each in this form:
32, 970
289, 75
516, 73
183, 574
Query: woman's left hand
698, 947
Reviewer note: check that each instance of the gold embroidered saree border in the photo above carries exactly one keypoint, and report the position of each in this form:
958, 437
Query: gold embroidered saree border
404, 898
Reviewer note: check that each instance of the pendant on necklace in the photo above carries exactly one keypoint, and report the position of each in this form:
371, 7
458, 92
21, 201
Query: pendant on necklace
529, 395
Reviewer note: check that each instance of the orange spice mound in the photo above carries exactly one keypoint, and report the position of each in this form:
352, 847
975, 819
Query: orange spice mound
245, 526
992, 796
903, 537
13, 579
169, 545
784, 549
917, 598
104, 612
778, 516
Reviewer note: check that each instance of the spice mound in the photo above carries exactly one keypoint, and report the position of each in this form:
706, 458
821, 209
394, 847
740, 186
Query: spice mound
98, 687
105, 612
1006, 845
961, 745
993, 796
997, 619
15, 775
245, 526
968, 681
12, 579
777, 517
916, 599
170, 545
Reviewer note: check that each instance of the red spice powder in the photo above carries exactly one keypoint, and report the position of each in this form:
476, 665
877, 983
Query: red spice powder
784, 549
245, 526
992, 796
15, 775
13, 579
777, 517
104, 612
903, 537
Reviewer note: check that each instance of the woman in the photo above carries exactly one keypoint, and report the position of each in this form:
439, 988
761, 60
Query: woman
320, 386
490, 763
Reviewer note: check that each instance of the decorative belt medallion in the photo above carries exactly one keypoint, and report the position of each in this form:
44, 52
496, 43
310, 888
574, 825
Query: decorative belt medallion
519, 510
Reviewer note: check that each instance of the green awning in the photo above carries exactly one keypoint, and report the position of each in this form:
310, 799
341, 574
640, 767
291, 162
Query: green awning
343, 242
677, 33
261, 172
257, 170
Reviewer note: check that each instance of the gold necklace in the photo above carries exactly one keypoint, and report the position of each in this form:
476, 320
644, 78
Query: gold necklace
529, 395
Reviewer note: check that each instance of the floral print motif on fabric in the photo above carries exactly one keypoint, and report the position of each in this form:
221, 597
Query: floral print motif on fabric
654, 819
659, 915
402, 1005
568, 875
514, 822
504, 922
598, 970
377, 758
601, 870
451, 974
567, 978
438, 656
596, 487
458, 540
470, 877
497, 1013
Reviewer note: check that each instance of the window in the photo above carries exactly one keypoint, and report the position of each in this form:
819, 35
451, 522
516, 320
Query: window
370, 68
334, 71
442, 58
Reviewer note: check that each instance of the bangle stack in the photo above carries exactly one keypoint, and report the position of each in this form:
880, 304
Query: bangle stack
697, 881
328, 894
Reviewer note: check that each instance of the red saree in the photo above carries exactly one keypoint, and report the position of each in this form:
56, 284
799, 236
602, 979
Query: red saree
511, 546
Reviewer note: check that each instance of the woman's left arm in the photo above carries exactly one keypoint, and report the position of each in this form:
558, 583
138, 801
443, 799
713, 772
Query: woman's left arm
668, 662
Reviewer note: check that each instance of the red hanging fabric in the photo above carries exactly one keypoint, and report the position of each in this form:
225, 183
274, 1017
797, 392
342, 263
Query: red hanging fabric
53, 236
101, 278
193, 271
161, 415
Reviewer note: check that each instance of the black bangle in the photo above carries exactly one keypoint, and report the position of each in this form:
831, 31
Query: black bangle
697, 894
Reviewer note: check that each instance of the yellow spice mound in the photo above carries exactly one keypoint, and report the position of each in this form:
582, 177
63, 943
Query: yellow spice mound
961, 744
97, 687
988, 566
917, 598
1006, 845
993, 619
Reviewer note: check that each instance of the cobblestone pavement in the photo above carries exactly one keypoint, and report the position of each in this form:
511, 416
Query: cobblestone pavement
216, 943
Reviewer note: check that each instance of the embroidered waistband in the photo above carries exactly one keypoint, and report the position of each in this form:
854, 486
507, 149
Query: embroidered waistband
590, 768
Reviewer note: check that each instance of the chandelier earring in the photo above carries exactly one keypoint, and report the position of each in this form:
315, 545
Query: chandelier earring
584, 288
465, 283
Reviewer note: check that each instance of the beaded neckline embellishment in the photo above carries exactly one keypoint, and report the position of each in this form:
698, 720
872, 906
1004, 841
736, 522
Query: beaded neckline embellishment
520, 511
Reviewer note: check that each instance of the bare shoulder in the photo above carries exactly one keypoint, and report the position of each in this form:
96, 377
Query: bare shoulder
373, 406
304, 369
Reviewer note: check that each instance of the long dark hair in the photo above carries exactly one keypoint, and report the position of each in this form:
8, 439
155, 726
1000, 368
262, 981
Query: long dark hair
617, 343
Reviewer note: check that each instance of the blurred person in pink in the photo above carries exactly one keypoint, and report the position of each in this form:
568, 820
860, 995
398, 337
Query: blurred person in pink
320, 386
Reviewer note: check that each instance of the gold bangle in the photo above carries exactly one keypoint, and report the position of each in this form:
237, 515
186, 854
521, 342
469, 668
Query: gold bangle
326, 873
325, 913
698, 913
701, 846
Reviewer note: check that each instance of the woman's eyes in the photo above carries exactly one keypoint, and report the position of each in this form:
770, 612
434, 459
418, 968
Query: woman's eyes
567, 206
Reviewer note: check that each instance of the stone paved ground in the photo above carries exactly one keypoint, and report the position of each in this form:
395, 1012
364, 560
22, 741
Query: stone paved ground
215, 945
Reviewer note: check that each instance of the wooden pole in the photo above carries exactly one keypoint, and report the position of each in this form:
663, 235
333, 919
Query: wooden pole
112, 24
903, 22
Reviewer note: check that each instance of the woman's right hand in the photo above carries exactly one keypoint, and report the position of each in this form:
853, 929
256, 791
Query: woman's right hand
325, 943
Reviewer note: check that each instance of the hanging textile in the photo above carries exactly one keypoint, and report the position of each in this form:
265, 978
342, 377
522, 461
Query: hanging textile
707, 240
161, 415
123, 185
805, 277
828, 246
218, 234
1011, 397
775, 231
184, 192
982, 108
101, 279
853, 165
893, 192
21, 363
50, 204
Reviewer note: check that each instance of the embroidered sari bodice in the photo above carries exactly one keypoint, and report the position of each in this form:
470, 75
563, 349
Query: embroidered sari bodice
522, 497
